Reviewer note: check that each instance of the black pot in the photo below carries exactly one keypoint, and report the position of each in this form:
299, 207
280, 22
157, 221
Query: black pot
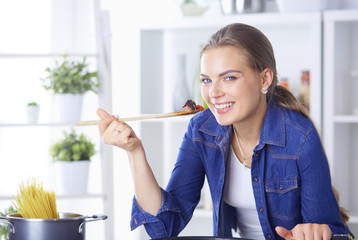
333, 237
69, 226
200, 238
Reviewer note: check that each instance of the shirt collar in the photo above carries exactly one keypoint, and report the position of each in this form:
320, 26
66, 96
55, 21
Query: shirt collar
211, 126
273, 129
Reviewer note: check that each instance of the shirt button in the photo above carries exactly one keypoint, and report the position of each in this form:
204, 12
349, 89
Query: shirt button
255, 179
269, 236
261, 209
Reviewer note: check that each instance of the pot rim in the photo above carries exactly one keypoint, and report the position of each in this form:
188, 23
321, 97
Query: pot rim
63, 216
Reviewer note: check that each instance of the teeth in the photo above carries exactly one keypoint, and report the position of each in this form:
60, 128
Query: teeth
222, 106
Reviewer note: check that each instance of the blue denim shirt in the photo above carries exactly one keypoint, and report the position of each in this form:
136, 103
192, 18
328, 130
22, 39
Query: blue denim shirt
290, 177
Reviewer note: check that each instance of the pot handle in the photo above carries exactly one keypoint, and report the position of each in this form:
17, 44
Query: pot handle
93, 218
4, 220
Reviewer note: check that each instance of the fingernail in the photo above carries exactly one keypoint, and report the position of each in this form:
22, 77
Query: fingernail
116, 116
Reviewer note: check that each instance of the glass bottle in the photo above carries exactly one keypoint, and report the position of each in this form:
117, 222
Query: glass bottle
197, 98
181, 91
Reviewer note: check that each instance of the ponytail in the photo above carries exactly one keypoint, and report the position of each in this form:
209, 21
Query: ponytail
285, 98
342, 210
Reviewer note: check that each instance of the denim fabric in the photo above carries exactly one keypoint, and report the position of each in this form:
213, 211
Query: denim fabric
290, 177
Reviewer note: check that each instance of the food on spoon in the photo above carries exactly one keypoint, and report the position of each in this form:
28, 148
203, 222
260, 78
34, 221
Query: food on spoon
199, 107
190, 105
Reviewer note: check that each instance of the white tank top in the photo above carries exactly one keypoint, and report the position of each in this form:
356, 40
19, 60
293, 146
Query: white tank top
238, 193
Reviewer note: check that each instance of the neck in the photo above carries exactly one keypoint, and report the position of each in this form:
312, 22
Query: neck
249, 129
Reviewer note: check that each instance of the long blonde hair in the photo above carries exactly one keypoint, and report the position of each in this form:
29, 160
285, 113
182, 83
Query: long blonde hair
260, 53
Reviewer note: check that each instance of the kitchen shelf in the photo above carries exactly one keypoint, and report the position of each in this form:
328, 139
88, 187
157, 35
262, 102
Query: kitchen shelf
201, 212
340, 133
24, 145
186, 23
296, 38
45, 55
35, 124
353, 218
346, 119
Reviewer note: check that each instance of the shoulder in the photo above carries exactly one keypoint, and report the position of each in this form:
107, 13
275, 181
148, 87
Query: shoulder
287, 128
291, 119
301, 131
298, 121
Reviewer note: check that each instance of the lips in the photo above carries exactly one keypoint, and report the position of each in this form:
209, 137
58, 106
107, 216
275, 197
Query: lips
222, 107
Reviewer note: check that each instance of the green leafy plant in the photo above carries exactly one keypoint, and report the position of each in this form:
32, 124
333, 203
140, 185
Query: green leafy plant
70, 77
4, 229
33, 104
72, 147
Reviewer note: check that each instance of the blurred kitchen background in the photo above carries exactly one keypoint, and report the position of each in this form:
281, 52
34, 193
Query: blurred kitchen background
145, 52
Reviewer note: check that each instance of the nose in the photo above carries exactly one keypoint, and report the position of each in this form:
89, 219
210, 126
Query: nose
215, 90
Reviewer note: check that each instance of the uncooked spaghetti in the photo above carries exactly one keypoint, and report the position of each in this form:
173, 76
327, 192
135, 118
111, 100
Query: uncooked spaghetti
33, 201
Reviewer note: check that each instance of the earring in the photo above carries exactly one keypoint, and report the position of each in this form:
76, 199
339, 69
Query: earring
264, 91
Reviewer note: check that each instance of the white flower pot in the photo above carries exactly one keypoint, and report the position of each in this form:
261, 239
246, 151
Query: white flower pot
72, 177
70, 106
32, 113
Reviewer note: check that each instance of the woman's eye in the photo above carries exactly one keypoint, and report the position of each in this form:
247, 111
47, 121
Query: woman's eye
230, 78
205, 80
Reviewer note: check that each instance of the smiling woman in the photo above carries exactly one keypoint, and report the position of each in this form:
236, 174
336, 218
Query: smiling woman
258, 149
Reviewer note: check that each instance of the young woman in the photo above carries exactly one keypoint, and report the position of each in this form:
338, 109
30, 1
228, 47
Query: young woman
263, 158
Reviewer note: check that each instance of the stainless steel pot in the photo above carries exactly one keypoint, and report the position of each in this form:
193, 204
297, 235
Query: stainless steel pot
69, 226
242, 6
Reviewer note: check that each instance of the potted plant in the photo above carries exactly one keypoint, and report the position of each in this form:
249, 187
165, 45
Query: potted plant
69, 80
4, 229
191, 8
33, 112
72, 155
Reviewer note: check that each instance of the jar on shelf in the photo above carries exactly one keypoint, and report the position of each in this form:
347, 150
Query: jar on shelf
305, 89
284, 82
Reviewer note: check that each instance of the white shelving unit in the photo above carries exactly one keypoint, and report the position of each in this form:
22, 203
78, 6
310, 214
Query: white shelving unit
99, 200
296, 39
341, 105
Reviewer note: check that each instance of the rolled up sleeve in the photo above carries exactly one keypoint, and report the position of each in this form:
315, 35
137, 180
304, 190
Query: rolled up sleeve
164, 224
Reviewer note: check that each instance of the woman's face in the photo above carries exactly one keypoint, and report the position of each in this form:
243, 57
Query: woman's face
231, 89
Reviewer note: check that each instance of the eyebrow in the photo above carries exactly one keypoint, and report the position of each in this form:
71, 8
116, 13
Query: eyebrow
223, 73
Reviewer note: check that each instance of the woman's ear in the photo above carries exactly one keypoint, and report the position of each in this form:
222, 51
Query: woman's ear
266, 78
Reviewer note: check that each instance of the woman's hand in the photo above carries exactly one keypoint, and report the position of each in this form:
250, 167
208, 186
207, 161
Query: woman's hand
117, 133
147, 190
307, 231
